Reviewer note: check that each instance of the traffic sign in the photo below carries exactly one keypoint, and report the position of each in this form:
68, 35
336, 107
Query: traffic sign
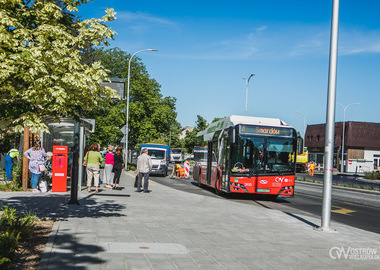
123, 129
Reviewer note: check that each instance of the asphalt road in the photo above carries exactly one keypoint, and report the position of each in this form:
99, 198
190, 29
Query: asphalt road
356, 215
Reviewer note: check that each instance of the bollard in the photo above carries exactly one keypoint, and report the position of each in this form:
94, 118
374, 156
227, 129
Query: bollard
187, 169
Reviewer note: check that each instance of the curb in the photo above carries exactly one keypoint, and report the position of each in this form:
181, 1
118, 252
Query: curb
45, 259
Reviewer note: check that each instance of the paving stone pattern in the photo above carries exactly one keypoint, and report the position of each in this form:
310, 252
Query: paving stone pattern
171, 229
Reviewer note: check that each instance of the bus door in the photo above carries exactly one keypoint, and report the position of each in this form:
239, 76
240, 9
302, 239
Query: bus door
209, 163
214, 164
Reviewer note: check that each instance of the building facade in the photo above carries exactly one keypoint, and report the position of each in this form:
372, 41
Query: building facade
182, 135
361, 145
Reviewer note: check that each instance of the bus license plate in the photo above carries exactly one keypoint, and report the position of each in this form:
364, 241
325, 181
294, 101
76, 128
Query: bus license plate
263, 190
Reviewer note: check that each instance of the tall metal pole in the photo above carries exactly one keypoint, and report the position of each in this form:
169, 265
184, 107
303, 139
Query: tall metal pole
246, 93
74, 179
25, 161
344, 128
127, 116
330, 120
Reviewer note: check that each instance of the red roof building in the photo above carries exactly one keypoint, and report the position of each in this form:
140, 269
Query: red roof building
361, 145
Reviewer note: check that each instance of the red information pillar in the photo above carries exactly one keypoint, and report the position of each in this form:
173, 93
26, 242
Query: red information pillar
59, 181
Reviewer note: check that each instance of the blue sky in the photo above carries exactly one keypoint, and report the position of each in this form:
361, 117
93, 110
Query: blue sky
207, 47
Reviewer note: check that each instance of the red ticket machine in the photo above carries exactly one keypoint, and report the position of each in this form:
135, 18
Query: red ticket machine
59, 180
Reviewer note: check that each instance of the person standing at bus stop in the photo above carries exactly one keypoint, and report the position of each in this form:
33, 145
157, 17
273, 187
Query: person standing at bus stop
36, 156
118, 164
108, 174
144, 167
93, 159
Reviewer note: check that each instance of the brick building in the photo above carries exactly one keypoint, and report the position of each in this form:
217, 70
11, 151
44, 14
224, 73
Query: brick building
361, 145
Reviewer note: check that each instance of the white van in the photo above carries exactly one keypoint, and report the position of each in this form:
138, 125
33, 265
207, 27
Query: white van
159, 160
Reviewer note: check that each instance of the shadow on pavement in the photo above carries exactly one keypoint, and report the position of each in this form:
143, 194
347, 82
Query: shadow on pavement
71, 254
302, 219
293, 216
54, 206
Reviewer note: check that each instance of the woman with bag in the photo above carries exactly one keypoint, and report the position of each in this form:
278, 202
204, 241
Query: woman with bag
92, 160
36, 156
108, 174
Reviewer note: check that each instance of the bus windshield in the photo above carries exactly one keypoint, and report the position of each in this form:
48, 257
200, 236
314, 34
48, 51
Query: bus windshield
263, 155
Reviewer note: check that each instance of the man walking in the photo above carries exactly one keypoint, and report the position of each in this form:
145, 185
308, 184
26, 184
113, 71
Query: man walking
144, 166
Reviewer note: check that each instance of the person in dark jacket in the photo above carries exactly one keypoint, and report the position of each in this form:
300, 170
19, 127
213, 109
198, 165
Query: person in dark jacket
117, 167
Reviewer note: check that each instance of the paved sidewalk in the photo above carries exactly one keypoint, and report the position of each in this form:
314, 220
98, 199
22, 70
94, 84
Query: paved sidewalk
171, 229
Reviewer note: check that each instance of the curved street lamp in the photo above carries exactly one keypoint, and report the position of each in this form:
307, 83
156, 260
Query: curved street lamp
344, 127
246, 92
126, 125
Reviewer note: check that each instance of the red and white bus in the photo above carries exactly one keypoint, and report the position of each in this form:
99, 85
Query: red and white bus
248, 155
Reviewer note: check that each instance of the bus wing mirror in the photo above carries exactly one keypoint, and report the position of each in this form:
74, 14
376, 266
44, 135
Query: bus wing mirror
300, 145
231, 135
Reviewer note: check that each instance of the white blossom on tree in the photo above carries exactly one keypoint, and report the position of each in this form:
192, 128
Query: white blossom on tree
41, 68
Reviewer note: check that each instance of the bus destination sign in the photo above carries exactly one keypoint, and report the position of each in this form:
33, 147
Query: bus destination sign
264, 130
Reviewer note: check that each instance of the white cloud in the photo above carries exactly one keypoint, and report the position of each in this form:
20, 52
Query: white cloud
140, 17
261, 28
356, 42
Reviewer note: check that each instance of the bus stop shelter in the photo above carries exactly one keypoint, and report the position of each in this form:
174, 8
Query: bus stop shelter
62, 133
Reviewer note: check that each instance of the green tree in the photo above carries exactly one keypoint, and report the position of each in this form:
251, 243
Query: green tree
151, 115
108, 122
216, 119
41, 68
191, 138
8, 141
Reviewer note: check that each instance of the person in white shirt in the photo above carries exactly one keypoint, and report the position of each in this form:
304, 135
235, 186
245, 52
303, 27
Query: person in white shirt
144, 167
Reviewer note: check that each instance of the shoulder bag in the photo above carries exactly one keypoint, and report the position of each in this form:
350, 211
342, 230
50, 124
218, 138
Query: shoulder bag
85, 162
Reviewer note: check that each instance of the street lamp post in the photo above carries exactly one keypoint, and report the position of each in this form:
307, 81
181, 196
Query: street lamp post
344, 128
304, 127
246, 92
126, 125
330, 120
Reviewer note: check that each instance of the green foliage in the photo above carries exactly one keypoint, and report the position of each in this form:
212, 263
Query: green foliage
372, 175
131, 167
13, 228
10, 221
16, 183
9, 243
109, 119
191, 138
41, 68
152, 117
216, 119
8, 141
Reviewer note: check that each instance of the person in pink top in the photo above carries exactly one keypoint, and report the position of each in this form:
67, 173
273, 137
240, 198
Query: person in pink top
108, 174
